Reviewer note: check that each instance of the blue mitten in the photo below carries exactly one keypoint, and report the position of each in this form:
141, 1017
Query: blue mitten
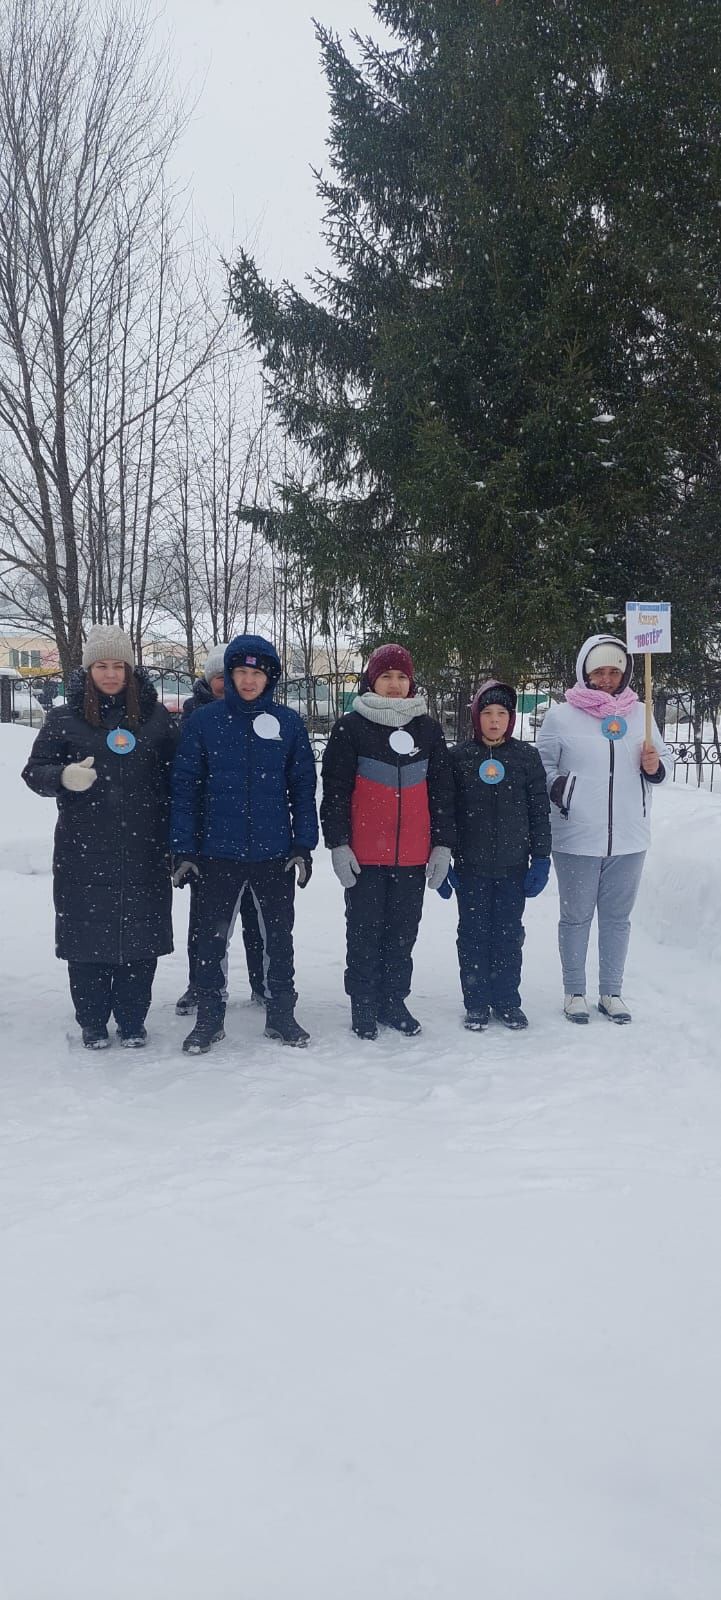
450, 882
537, 876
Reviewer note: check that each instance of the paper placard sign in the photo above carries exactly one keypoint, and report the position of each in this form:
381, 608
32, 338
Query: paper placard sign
266, 726
648, 626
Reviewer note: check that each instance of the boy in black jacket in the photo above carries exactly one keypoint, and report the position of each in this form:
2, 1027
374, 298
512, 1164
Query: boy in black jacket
502, 819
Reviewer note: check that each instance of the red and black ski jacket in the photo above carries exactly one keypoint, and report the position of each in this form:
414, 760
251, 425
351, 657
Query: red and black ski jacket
390, 808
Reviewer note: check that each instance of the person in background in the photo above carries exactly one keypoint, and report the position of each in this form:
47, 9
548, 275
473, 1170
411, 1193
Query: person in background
388, 820
601, 774
206, 690
105, 757
244, 821
209, 687
47, 694
502, 856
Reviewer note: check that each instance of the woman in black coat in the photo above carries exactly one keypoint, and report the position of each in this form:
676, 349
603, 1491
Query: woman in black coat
105, 756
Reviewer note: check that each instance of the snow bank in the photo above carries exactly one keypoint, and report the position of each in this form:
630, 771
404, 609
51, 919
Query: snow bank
27, 821
680, 897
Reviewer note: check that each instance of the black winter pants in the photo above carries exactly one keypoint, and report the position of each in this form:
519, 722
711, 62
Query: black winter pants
490, 938
252, 938
383, 913
100, 992
272, 889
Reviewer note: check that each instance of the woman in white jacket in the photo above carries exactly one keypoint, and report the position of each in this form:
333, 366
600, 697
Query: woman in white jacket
600, 774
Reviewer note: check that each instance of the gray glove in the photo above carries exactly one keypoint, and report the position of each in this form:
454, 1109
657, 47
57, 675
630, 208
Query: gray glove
79, 775
439, 861
345, 865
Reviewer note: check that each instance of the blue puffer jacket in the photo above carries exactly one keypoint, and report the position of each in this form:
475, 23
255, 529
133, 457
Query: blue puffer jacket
235, 794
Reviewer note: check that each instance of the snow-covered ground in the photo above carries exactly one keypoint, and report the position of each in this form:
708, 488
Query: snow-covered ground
435, 1317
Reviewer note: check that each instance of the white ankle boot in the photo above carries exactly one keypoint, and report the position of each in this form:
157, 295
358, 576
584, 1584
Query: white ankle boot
614, 1007
575, 1007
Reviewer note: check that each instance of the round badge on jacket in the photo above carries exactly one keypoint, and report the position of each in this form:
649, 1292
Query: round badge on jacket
121, 741
402, 742
266, 726
614, 727
491, 771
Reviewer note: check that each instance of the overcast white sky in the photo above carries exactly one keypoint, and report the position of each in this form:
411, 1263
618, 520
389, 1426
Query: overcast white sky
261, 119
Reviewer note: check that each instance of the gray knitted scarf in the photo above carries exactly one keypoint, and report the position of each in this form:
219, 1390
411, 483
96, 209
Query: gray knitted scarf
389, 713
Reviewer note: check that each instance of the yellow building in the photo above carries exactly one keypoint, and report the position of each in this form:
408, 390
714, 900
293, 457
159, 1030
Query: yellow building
28, 653
31, 654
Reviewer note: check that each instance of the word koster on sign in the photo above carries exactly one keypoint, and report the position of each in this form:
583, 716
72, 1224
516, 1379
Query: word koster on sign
648, 626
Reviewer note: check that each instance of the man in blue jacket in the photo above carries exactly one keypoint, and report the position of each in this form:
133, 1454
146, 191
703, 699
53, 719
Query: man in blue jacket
244, 821
206, 689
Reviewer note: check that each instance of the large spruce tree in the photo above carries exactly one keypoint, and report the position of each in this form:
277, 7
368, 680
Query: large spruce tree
509, 383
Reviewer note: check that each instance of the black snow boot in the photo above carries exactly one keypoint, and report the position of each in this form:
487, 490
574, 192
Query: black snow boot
132, 1038
511, 1016
187, 1004
395, 1014
363, 1019
478, 1019
96, 1038
209, 1028
257, 998
280, 1024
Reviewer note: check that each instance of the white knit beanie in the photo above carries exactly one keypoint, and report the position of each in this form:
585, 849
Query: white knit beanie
215, 662
107, 644
605, 655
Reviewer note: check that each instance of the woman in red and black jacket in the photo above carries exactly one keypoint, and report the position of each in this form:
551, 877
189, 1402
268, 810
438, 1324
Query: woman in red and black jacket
388, 819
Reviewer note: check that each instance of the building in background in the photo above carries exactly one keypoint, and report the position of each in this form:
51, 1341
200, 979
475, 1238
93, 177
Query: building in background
165, 655
34, 655
27, 653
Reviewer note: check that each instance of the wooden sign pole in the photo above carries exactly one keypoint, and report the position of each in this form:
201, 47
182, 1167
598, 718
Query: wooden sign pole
649, 699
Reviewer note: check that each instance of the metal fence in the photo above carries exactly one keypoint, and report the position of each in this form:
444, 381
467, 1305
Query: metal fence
691, 725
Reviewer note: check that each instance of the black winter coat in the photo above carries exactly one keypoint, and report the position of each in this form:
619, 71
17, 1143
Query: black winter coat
202, 696
500, 825
111, 877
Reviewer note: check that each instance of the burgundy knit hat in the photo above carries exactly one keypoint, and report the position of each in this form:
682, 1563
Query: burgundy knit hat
388, 658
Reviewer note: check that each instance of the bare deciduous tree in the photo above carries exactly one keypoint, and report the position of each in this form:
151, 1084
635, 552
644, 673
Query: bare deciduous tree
216, 571
98, 332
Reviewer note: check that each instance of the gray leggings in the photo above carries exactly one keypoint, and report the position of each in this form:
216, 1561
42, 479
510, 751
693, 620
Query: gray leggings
607, 885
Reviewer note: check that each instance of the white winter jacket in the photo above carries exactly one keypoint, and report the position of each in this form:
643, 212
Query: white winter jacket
606, 800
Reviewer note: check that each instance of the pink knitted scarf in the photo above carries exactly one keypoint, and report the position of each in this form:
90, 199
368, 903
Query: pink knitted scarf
599, 704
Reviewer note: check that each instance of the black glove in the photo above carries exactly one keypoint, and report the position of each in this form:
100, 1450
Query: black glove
183, 868
303, 861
